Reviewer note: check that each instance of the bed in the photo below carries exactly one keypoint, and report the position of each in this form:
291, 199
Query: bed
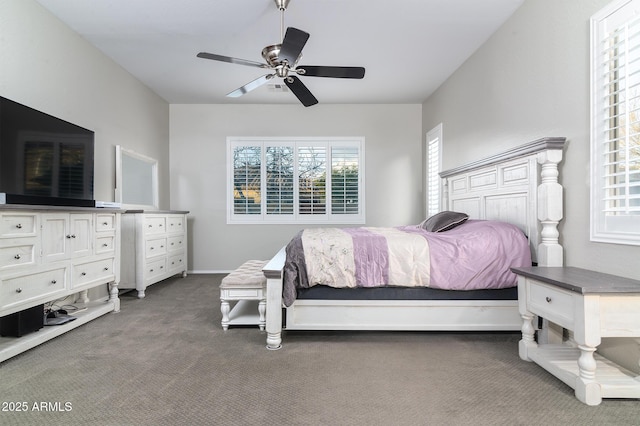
518, 187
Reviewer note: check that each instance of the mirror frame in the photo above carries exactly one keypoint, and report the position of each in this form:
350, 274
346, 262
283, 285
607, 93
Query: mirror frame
122, 184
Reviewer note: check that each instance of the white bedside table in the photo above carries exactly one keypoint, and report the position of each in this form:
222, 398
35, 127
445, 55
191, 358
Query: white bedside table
592, 305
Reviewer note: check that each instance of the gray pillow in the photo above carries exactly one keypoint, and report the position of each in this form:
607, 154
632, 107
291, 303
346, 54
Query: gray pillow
444, 221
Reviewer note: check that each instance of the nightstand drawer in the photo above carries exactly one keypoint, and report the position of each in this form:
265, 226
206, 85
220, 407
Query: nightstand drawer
550, 303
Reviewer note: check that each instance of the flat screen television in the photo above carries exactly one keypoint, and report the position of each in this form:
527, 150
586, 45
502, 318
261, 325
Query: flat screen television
44, 160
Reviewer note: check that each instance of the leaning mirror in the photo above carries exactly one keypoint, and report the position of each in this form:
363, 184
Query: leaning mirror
136, 180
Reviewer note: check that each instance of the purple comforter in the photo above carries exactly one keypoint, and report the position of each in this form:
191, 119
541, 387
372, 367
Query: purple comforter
475, 255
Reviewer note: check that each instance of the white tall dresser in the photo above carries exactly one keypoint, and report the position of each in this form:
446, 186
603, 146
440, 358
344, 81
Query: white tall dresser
154, 247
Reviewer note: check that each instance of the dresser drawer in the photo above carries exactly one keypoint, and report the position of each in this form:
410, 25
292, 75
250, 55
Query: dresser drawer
154, 225
175, 224
17, 255
175, 243
17, 225
90, 272
551, 303
105, 222
155, 247
155, 268
105, 244
177, 263
26, 288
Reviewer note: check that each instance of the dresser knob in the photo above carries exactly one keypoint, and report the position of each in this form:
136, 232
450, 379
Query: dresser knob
83, 274
548, 299
105, 245
106, 269
105, 223
53, 281
17, 257
19, 226
18, 290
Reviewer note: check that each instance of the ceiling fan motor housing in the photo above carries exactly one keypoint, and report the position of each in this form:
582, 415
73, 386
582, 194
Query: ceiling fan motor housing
270, 54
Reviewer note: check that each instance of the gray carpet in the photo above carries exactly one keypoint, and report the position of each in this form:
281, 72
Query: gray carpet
165, 360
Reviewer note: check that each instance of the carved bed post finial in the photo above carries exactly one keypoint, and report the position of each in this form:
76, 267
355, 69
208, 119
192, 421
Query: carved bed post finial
550, 252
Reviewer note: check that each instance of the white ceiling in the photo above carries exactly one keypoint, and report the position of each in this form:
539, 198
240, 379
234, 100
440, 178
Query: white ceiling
408, 47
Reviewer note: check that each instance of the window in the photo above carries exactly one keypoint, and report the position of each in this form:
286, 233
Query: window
295, 180
434, 144
615, 130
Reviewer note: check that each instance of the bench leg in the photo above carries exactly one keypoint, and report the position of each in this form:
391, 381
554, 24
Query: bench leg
262, 309
224, 308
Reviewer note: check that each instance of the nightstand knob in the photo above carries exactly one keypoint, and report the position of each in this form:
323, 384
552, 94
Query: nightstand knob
18, 290
548, 299
53, 281
17, 257
19, 226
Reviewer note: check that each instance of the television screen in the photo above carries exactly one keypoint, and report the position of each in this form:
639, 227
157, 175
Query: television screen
43, 159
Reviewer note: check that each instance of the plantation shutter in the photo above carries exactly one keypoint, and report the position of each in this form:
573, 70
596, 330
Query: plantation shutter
433, 170
247, 194
616, 131
345, 180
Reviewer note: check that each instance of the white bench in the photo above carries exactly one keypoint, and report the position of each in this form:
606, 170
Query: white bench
248, 286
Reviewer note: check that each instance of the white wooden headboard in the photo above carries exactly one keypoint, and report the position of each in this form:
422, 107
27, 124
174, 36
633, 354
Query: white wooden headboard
519, 186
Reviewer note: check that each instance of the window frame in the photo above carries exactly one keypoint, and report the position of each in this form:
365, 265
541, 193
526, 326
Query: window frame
328, 217
624, 227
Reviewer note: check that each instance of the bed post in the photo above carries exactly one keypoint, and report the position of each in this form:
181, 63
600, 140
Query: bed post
550, 252
273, 272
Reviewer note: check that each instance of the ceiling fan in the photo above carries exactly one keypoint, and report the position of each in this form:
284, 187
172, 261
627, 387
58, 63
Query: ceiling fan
282, 60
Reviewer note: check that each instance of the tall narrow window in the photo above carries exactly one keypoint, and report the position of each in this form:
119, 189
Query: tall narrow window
615, 133
434, 144
301, 180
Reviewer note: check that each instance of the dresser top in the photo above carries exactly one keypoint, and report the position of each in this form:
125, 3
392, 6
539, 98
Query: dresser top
580, 280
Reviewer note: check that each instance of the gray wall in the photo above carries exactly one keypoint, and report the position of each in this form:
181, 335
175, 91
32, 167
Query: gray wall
531, 80
198, 169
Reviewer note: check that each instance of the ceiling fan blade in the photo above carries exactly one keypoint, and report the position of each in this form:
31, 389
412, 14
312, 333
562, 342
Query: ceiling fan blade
231, 60
292, 44
250, 86
334, 72
300, 90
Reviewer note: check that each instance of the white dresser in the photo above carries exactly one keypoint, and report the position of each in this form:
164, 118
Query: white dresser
154, 247
50, 253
